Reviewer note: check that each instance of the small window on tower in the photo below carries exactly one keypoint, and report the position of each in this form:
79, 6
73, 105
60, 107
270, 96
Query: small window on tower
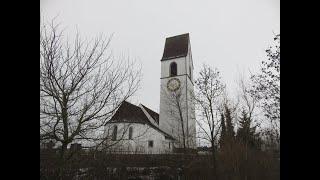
190, 72
173, 69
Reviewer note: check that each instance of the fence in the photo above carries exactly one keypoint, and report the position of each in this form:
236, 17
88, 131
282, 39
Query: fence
102, 165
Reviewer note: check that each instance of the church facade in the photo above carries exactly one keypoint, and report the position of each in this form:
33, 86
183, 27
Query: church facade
136, 128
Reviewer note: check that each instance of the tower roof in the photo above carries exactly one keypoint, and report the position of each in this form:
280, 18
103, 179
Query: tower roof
176, 46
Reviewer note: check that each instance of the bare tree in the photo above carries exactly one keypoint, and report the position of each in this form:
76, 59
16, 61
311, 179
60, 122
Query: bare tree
209, 89
248, 101
81, 86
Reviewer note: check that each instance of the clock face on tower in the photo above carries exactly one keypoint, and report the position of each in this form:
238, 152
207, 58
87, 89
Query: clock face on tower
173, 84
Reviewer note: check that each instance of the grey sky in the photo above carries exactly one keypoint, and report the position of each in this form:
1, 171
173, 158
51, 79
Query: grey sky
228, 34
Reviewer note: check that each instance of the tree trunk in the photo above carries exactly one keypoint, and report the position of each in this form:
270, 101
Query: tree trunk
182, 126
61, 171
214, 163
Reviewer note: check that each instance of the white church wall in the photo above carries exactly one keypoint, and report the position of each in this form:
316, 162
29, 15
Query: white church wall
191, 115
189, 63
190, 112
169, 115
142, 134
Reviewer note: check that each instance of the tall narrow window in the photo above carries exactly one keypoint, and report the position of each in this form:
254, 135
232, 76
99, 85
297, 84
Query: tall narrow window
190, 72
130, 132
173, 69
114, 133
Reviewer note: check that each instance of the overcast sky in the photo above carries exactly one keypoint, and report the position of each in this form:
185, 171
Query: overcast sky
231, 35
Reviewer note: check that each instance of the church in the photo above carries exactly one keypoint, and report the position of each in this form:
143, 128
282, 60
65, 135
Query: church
136, 128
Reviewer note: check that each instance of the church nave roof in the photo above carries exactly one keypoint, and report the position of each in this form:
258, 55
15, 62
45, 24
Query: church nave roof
130, 113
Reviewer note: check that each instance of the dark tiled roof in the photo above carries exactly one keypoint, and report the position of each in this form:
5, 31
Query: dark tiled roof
131, 113
153, 114
128, 112
176, 46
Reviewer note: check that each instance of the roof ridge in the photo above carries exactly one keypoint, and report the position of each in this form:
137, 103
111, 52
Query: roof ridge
149, 108
184, 34
154, 115
125, 101
145, 111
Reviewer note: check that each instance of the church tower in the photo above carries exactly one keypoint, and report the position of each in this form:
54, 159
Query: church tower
177, 111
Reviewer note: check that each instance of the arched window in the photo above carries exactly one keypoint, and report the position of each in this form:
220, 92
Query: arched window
114, 133
173, 69
130, 132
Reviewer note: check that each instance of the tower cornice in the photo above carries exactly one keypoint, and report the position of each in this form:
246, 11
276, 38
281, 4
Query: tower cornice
178, 76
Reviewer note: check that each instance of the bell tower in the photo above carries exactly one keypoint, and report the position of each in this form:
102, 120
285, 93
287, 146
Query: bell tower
177, 113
